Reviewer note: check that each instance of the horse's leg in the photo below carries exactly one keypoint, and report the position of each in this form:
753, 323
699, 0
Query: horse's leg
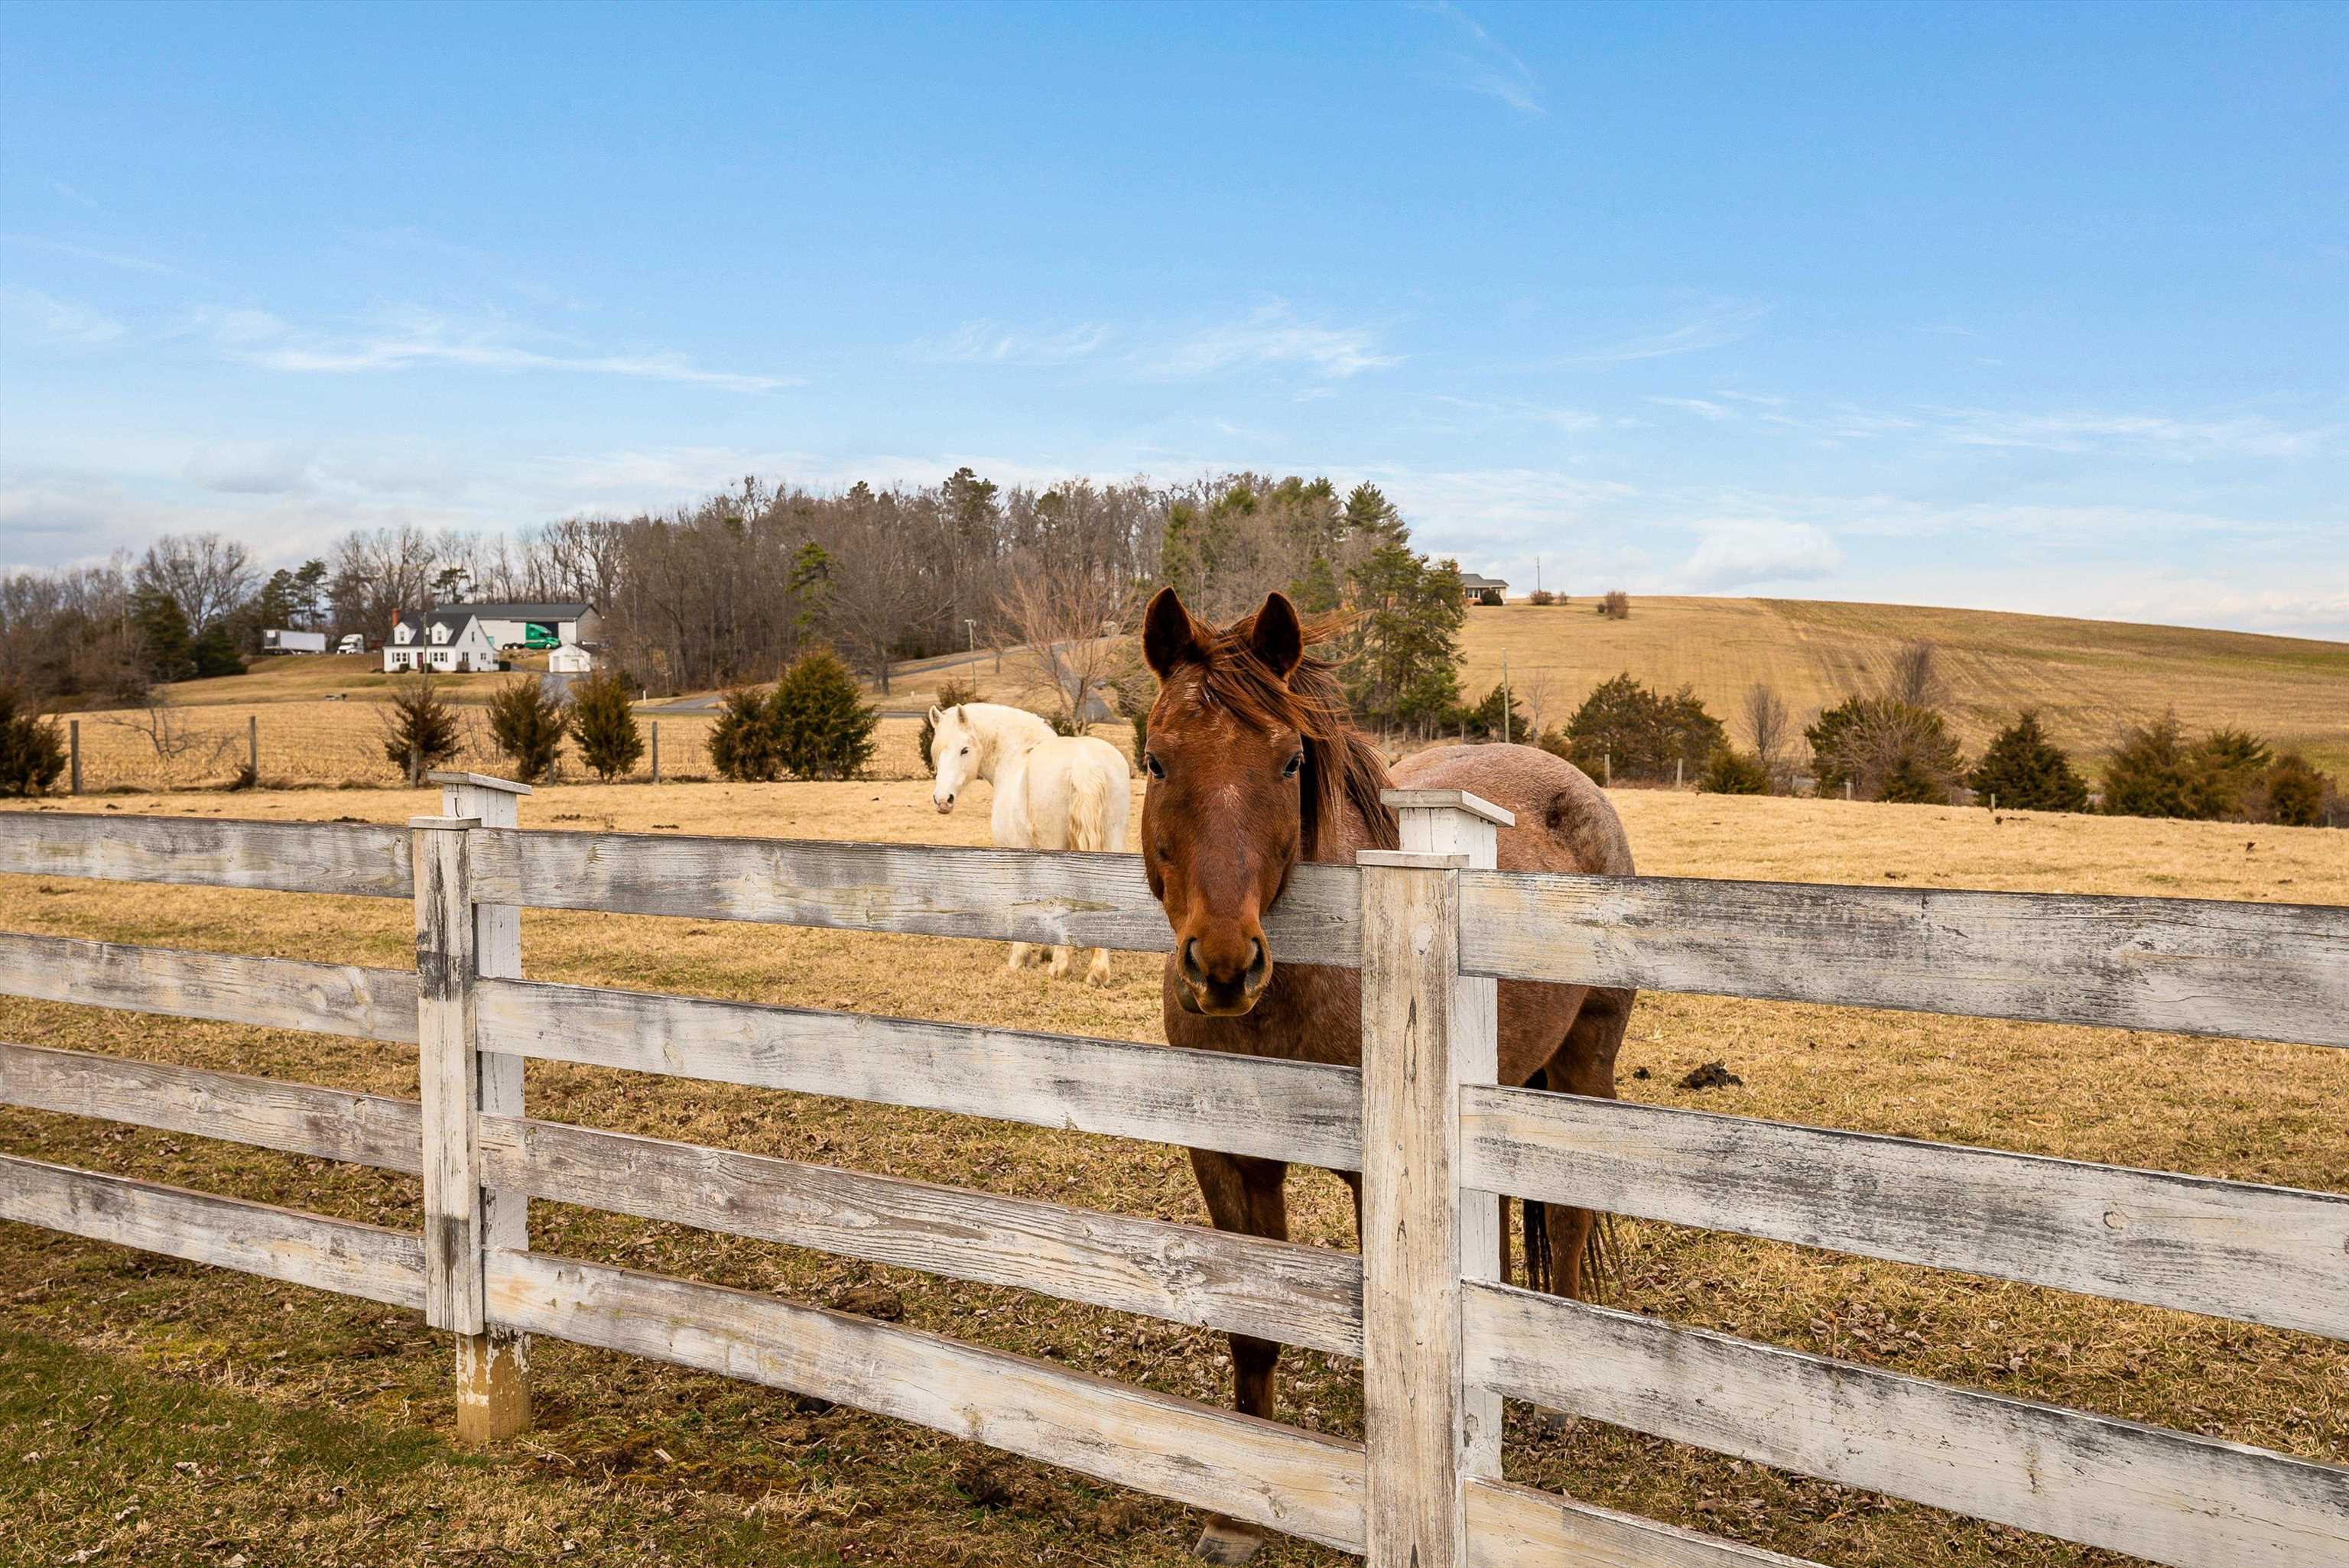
1584, 1065
1019, 957
1247, 1196
1098, 973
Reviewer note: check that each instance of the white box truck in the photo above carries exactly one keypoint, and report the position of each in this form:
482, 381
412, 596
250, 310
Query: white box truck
274, 641
352, 643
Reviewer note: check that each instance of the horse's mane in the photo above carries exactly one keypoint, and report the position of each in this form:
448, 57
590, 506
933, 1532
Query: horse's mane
1341, 768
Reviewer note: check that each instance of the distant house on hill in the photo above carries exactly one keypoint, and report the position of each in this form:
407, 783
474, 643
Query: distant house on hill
452, 639
1481, 590
470, 636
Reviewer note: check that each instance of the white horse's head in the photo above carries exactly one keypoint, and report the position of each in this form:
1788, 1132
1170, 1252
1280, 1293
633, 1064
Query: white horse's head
953, 753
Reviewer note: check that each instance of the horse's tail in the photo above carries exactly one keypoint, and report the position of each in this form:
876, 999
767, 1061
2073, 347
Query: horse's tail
1089, 817
1602, 1249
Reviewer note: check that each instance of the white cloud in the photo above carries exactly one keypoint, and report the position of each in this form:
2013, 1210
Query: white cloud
251, 468
1741, 554
29, 313
1483, 66
1715, 326
409, 338
2243, 436
1271, 335
1698, 407
987, 343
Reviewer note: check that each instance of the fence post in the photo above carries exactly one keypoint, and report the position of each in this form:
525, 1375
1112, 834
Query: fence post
459, 1083
1426, 1029
253, 746
656, 751
73, 740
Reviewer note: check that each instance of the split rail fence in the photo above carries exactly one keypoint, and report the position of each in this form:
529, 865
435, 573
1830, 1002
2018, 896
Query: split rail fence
1442, 1341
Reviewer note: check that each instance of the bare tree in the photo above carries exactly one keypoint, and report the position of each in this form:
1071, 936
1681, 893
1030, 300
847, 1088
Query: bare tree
206, 574
1074, 618
378, 574
1771, 728
67, 633
882, 586
1534, 691
1915, 676
164, 725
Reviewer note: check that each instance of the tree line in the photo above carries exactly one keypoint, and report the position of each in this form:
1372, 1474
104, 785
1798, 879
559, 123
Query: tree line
735, 587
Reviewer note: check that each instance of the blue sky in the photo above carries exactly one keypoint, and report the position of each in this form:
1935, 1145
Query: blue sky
2041, 308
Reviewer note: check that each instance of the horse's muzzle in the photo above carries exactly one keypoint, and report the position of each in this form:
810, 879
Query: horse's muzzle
1221, 991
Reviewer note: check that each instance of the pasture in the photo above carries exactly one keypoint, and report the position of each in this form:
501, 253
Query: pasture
177, 1412
2088, 678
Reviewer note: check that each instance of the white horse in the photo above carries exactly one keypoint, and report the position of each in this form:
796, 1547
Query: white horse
1051, 791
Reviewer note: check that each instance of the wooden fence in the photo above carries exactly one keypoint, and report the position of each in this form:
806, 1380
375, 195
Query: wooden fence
1442, 1341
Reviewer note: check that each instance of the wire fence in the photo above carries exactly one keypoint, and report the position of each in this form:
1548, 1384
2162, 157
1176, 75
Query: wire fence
339, 745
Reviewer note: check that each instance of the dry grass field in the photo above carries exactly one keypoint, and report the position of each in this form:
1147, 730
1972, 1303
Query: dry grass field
319, 725
157, 1412
2088, 678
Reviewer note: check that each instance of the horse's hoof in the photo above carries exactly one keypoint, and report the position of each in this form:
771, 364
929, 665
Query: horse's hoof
1099, 977
1227, 1541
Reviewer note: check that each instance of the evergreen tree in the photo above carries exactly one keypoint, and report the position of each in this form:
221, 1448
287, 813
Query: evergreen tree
528, 722
1624, 730
2227, 768
971, 506
1371, 520
743, 743
163, 639
1405, 669
279, 603
214, 653
823, 725
2026, 770
1734, 772
1886, 750
1497, 716
1315, 591
31, 754
310, 594
604, 726
2297, 794
419, 727
2150, 773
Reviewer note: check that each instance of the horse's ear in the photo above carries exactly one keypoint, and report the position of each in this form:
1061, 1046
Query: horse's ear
936, 714
1276, 637
1170, 638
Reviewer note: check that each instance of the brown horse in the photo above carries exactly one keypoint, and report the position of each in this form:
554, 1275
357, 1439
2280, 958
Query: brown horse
1253, 768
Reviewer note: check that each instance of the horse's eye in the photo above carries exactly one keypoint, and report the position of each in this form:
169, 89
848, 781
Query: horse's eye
1152, 766
1288, 769
965, 751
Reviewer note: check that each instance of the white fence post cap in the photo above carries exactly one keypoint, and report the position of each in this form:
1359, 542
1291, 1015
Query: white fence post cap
479, 782
1459, 799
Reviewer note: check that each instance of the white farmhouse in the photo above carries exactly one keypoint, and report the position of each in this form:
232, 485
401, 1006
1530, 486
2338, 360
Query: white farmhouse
451, 639
470, 636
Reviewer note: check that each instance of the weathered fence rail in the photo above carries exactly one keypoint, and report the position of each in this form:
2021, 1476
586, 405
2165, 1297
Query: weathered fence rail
1442, 1339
